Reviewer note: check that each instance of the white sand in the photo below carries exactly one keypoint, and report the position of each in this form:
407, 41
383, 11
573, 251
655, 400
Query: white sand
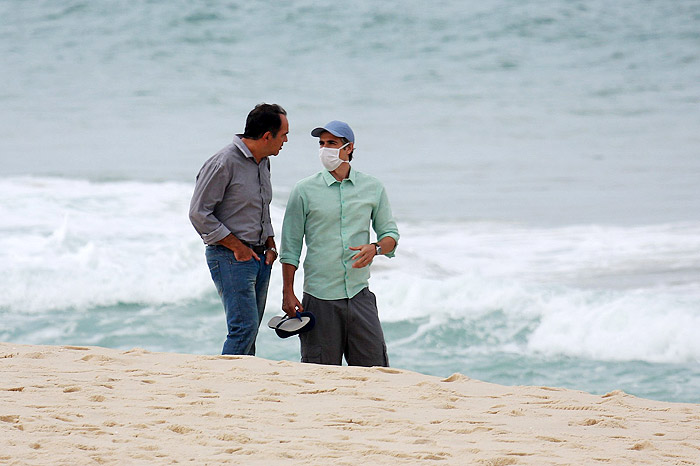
75, 406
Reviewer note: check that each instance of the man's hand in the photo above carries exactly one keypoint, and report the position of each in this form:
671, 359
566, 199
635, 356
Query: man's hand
270, 256
242, 252
365, 256
271, 253
290, 304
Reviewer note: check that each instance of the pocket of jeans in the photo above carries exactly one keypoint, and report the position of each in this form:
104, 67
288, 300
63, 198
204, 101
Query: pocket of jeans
234, 260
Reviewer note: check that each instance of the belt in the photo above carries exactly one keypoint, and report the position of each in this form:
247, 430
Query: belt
260, 249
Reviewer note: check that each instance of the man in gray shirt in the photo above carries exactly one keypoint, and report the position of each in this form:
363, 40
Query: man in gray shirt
230, 209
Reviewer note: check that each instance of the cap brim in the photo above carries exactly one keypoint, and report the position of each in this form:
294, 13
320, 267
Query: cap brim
316, 132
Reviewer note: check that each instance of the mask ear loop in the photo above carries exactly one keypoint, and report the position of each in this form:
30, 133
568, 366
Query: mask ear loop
352, 152
344, 146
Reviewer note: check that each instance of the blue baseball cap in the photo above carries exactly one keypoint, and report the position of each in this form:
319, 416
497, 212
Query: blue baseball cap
336, 128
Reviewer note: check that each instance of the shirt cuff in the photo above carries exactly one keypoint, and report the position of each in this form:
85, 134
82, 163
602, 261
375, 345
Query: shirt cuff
287, 260
396, 238
216, 235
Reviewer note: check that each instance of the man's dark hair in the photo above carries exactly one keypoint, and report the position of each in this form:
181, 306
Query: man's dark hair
263, 118
345, 141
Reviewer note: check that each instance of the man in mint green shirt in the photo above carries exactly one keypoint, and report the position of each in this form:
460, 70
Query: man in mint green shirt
332, 211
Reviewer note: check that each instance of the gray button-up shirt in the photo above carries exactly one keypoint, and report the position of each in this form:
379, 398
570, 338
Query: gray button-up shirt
232, 195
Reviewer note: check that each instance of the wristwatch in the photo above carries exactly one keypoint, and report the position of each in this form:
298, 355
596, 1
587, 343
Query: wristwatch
273, 250
378, 249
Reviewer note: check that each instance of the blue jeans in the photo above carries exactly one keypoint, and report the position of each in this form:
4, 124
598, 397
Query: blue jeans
242, 287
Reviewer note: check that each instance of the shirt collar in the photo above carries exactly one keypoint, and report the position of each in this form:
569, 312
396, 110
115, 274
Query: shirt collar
241, 145
330, 179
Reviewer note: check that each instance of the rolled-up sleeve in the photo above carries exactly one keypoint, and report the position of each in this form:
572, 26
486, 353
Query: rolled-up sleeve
383, 221
209, 190
293, 229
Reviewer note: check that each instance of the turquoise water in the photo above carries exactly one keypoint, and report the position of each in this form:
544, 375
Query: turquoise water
542, 159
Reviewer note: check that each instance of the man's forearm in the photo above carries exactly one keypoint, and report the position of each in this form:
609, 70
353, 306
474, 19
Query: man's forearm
387, 244
290, 304
233, 243
288, 272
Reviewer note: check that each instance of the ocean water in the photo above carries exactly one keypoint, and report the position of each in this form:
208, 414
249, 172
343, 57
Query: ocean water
542, 159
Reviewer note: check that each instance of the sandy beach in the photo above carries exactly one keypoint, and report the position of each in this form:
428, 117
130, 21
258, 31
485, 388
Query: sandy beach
88, 405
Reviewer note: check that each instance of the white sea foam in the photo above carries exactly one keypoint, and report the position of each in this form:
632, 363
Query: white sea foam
610, 293
76, 244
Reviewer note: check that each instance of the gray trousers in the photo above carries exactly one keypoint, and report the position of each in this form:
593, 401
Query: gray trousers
344, 327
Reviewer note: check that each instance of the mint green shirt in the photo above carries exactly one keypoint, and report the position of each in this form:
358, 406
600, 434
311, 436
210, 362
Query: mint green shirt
331, 216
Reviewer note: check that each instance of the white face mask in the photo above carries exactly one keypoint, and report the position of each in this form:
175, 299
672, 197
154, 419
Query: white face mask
330, 158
